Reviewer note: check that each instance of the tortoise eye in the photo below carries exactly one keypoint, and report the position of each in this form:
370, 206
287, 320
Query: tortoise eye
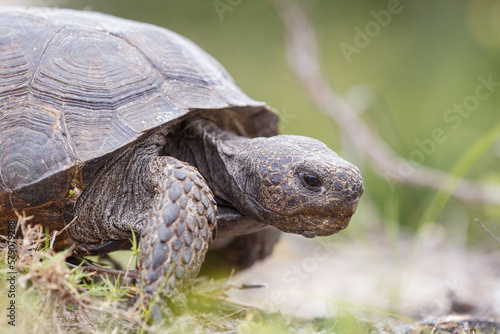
311, 180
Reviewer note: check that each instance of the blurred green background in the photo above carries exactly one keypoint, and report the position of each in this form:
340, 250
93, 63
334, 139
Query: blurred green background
426, 59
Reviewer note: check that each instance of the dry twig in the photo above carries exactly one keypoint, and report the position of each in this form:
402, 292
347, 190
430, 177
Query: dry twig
303, 59
487, 231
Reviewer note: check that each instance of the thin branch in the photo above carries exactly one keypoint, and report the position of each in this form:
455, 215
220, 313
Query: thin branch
303, 59
487, 231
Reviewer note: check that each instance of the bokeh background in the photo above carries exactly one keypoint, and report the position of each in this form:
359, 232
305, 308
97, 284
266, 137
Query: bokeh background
427, 58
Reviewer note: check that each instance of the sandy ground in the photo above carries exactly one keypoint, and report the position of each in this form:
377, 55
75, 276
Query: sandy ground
417, 277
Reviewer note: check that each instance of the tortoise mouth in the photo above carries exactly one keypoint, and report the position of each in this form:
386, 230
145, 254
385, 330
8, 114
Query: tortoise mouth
337, 206
315, 226
309, 220
310, 225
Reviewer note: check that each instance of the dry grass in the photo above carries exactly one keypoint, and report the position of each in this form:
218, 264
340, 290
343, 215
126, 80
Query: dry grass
52, 298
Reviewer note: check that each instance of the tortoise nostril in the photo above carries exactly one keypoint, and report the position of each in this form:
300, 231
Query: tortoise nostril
356, 189
348, 182
351, 192
351, 188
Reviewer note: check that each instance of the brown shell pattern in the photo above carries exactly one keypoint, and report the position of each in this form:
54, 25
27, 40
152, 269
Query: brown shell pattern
76, 86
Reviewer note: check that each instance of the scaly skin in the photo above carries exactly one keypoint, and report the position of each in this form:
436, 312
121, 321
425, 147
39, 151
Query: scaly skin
176, 237
166, 202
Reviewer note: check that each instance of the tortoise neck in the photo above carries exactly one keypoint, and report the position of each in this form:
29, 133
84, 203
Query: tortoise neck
217, 154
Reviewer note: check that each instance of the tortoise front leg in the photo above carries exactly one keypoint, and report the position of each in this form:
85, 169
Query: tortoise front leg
175, 238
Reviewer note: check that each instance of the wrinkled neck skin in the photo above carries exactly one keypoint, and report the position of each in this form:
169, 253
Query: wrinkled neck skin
220, 157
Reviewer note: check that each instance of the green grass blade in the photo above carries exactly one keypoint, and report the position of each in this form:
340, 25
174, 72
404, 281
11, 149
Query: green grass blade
459, 170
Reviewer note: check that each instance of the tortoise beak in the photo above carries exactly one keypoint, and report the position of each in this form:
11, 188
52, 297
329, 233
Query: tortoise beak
334, 217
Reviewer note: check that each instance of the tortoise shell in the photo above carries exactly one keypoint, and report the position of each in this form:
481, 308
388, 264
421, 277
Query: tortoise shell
78, 87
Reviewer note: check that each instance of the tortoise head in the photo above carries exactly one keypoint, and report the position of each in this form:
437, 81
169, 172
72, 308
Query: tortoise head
298, 185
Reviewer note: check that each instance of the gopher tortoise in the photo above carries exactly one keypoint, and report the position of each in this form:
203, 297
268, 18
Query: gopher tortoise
110, 126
